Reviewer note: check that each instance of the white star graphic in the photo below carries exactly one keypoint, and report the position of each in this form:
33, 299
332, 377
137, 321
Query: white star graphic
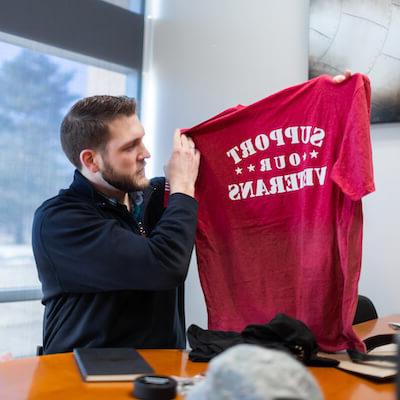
251, 168
304, 156
314, 154
238, 171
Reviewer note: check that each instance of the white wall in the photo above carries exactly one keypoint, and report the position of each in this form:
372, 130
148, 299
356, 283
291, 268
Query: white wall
380, 276
205, 56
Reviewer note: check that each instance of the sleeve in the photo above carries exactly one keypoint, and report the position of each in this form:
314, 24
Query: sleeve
352, 170
88, 253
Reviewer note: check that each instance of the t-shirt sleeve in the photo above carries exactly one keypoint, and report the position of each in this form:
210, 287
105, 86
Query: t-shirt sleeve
352, 170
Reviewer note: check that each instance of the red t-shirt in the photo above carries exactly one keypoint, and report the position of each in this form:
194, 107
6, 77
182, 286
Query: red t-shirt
280, 216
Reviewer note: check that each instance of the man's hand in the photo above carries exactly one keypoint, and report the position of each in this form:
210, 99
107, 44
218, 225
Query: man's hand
183, 166
342, 77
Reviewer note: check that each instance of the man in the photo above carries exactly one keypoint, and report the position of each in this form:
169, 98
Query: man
111, 259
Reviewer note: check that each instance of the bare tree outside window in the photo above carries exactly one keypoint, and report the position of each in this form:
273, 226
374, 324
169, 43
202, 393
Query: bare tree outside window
35, 95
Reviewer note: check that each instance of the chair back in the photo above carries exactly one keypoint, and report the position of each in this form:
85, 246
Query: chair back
365, 310
39, 350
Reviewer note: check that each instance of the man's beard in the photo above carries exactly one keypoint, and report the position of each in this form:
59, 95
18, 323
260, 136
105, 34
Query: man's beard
124, 183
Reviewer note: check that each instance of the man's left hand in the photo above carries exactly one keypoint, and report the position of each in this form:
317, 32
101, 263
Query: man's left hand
342, 77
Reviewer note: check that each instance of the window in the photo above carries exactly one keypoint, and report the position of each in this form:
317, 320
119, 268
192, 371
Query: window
38, 82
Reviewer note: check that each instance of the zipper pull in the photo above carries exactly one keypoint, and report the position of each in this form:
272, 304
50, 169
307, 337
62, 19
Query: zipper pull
142, 231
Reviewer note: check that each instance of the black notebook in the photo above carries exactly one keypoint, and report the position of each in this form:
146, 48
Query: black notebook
110, 364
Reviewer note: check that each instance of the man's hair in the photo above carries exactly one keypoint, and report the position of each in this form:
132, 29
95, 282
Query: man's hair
86, 124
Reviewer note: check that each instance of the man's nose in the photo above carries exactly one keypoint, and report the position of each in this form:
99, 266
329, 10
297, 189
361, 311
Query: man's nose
145, 153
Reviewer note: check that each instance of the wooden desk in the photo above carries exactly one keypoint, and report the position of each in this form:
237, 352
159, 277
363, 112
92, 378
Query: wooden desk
56, 377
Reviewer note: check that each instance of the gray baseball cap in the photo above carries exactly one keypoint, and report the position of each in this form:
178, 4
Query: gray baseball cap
249, 372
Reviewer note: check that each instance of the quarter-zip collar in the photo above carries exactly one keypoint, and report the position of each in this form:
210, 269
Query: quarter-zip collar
84, 187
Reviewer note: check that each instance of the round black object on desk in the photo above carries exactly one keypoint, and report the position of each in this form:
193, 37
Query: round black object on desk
154, 387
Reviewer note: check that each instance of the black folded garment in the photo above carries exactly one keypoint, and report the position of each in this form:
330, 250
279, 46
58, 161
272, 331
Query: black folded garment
282, 333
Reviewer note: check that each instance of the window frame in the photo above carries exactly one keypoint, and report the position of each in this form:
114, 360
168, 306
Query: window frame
101, 30
24, 293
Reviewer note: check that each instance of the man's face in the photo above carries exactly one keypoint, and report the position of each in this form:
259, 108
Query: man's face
123, 159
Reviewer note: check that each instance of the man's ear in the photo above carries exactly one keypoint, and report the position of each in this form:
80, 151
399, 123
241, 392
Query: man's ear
89, 160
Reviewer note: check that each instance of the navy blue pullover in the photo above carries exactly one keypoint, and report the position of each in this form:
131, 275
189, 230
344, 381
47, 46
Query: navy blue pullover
104, 284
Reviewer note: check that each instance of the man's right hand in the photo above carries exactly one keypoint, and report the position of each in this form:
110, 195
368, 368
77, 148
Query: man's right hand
183, 166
